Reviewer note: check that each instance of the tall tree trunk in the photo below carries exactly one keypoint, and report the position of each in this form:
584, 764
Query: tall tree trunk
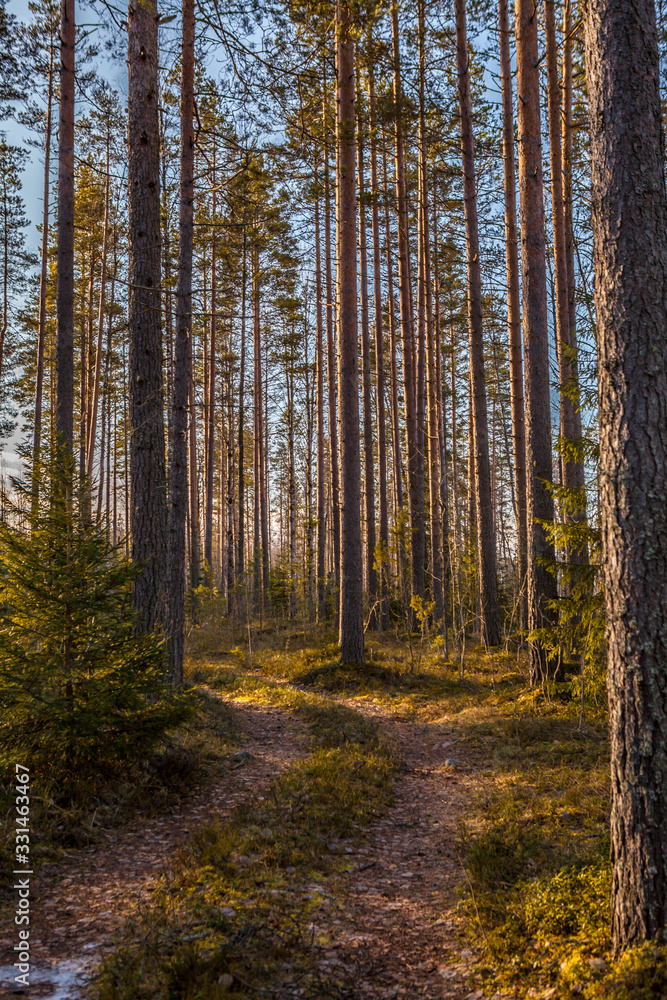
331, 355
240, 558
575, 471
181, 374
426, 330
92, 429
193, 477
257, 435
291, 488
351, 596
230, 568
107, 383
43, 277
319, 392
369, 472
147, 472
64, 423
383, 582
629, 215
210, 416
441, 417
410, 389
514, 310
539, 501
486, 540
570, 417
395, 422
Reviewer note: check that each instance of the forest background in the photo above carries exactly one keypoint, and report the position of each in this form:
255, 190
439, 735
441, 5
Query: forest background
285, 380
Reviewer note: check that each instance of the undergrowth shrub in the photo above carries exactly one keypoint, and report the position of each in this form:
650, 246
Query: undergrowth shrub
573, 901
83, 694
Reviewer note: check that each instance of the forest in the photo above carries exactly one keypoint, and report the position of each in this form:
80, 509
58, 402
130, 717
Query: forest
333, 499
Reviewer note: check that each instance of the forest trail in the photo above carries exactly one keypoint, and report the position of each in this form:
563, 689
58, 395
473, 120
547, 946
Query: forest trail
391, 923
395, 927
81, 901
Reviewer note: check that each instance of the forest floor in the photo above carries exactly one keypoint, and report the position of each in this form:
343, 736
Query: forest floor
357, 835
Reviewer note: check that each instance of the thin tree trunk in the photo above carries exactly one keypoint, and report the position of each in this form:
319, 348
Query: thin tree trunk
383, 583
441, 417
629, 215
107, 378
331, 358
351, 596
181, 373
43, 277
193, 477
369, 472
319, 390
410, 390
514, 311
395, 420
570, 417
539, 501
147, 456
426, 328
210, 416
92, 429
64, 424
486, 541
240, 559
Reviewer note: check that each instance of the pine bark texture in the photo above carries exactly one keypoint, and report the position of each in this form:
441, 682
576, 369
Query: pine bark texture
383, 575
178, 457
486, 541
539, 501
65, 265
319, 406
351, 627
629, 216
416, 494
369, 472
514, 309
147, 452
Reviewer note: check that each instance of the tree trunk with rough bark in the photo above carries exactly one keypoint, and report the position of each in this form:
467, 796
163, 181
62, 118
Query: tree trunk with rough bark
395, 423
514, 310
410, 377
351, 626
319, 405
541, 584
258, 435
210, 391
629, 216
369, 472
486, 540
147, 455
383, 579
331, 357
178, 451
426, 333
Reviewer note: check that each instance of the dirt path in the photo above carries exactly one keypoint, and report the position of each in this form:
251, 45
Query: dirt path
392, 927
79, 904
395, 932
